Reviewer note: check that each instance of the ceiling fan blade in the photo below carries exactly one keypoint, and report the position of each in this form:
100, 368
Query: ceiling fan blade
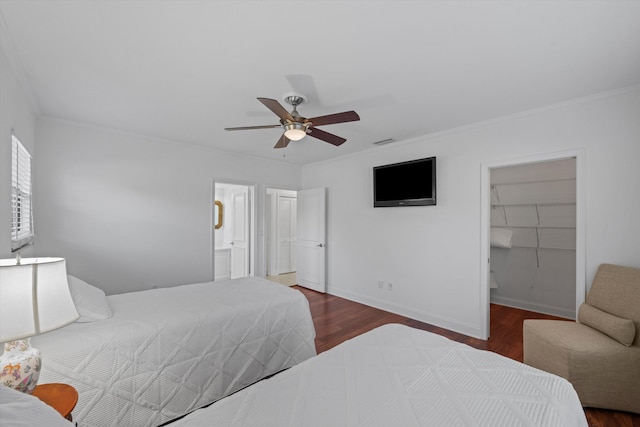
347, 116
282, 142
254, 127
277, 108
326, 136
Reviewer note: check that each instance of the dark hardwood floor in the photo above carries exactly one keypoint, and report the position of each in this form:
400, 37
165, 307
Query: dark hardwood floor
337, 319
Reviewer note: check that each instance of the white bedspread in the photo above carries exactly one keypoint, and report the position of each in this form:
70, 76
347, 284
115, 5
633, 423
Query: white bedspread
168, 351
399, 376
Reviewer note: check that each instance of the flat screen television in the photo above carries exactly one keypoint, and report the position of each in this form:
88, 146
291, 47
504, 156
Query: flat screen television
411, 183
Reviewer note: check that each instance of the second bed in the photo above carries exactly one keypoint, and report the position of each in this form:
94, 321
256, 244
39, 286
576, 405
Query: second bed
158, 354
395, 375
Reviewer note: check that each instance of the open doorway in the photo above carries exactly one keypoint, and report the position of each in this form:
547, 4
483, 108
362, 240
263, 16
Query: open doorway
233, 230
533, 235
281, 235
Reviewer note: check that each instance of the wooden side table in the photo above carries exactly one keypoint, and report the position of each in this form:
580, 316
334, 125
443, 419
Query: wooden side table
61, 397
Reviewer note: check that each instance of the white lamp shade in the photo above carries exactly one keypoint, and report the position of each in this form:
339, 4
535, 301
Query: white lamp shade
34, 297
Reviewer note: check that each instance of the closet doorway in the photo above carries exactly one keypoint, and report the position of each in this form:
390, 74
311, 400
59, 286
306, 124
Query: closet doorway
281, 230
533, 211
533, 237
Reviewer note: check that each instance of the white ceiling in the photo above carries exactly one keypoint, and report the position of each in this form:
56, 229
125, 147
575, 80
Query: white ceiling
184, 70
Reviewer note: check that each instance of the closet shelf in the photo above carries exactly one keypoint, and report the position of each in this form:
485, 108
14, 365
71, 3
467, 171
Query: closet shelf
536, 226
543, 248
497, 182
564, 203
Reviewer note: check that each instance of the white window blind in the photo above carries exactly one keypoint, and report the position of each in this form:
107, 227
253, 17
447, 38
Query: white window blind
21, 207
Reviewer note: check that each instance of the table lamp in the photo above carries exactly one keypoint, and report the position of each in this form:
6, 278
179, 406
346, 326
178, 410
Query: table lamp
34, 299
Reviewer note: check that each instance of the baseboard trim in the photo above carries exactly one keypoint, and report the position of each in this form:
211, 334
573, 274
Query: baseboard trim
440, 321
531, 306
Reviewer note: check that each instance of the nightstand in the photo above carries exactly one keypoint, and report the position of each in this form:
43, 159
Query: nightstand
61, 397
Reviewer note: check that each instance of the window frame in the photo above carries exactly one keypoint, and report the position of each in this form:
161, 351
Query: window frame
22, 233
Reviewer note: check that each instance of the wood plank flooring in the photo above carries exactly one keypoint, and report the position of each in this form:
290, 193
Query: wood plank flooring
337, 319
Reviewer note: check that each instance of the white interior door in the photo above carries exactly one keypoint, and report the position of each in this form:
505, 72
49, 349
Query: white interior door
286, 249
240, 235
311, 239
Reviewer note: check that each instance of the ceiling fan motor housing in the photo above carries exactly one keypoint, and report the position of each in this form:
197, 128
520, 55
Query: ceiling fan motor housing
294, 98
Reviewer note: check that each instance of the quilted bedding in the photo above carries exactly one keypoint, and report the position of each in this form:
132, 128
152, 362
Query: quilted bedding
395, 375
168, 351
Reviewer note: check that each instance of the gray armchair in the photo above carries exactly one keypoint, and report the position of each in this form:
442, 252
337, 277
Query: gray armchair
600, 353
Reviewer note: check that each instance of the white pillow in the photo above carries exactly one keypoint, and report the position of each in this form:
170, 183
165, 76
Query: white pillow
19, 409
90, 301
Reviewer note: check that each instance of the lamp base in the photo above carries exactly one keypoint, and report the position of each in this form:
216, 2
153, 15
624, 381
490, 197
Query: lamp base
20, 365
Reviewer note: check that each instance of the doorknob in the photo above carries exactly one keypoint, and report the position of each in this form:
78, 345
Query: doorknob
319, 245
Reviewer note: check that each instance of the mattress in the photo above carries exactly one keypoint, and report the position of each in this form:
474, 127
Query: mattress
165, 352
395, 375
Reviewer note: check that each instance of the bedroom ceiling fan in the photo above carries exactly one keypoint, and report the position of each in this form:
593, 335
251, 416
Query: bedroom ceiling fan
297, 127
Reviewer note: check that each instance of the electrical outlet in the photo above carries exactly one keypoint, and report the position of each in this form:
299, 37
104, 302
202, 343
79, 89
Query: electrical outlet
380, 284
389, 286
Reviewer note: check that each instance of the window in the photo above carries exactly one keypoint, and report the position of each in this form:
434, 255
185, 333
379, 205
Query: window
21, 207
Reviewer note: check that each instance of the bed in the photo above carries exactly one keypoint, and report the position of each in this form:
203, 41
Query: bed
143, 358
395, 375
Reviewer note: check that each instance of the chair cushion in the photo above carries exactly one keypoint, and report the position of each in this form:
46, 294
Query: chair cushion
616, 290
621, 330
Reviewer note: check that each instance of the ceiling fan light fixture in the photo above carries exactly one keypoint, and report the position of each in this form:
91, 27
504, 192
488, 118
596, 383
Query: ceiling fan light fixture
295, 131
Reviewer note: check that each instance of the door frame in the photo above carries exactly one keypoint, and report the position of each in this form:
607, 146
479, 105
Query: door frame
252, 206
485, 226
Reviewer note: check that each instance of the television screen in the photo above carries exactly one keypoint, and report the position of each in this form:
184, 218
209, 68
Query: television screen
411, 183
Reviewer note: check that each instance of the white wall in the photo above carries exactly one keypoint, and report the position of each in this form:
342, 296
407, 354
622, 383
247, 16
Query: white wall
431, 255
132, 212
15, 113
